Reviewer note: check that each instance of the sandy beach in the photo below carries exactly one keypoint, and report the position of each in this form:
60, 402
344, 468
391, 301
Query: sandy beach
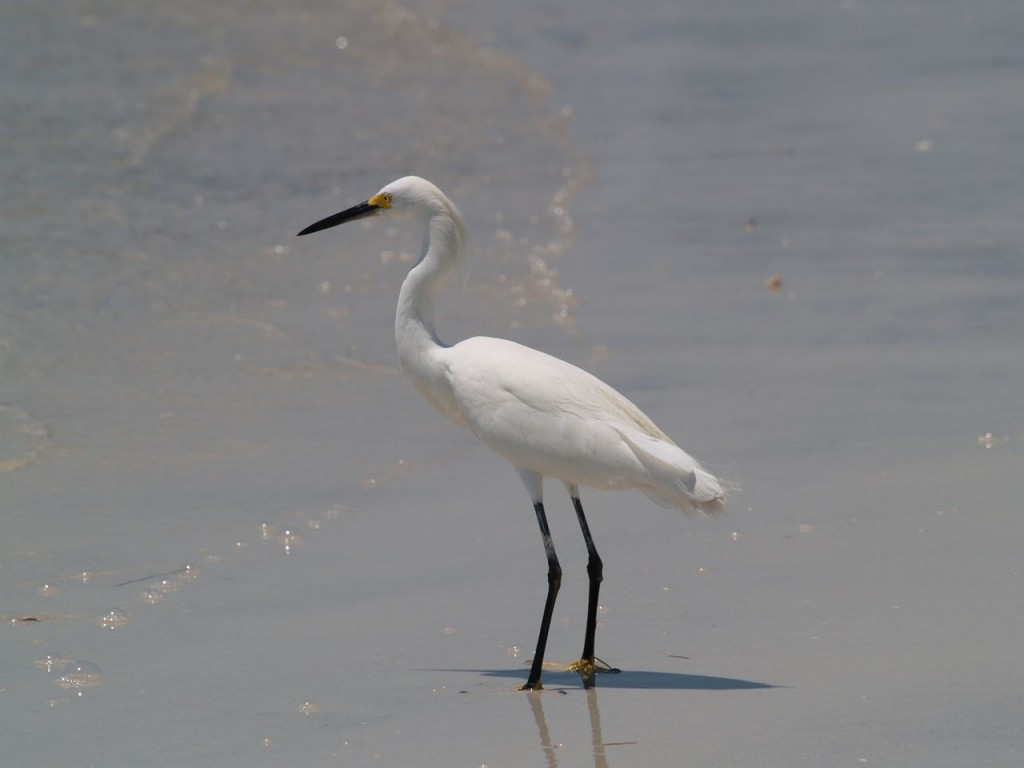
234, 535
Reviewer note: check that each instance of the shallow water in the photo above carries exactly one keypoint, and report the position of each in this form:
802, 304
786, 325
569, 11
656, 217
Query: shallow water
234, 535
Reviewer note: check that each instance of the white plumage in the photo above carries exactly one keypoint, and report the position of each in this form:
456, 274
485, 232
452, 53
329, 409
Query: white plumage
552, 418
544, 415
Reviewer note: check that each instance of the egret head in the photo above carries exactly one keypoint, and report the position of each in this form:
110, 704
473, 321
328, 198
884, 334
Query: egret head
410, 194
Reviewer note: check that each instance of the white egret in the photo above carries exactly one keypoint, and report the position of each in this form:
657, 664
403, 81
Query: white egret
547, 417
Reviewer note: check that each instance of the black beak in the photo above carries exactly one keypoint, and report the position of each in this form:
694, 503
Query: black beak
360, 211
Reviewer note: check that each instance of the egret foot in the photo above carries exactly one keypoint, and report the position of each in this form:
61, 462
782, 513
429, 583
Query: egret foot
587, 668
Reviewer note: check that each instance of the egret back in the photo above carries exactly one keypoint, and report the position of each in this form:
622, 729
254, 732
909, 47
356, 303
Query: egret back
551, 417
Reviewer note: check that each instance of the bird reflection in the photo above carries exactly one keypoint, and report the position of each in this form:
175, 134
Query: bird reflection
536, 699
626, 680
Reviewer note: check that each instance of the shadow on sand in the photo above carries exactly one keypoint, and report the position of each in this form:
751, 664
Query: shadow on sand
667, 681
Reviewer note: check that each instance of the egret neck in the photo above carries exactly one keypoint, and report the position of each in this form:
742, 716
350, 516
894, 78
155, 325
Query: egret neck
420, 352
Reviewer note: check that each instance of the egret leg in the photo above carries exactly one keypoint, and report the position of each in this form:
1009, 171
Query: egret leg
595, 570
554, 582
